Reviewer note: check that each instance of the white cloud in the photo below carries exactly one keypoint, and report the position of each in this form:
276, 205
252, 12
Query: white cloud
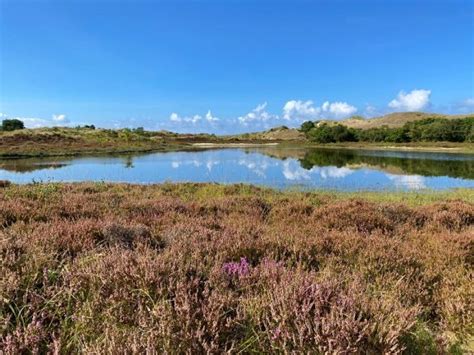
60, 118
469, 102
339, 109
257, 114
300, 110
294, 113
210, 117
34, 122
194, 119
415, 100
305, 110
174, 117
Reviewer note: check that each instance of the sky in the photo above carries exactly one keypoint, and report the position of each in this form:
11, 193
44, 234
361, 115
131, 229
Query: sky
231, 66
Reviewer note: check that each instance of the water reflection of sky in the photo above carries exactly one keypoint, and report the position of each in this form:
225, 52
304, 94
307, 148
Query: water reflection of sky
230, 166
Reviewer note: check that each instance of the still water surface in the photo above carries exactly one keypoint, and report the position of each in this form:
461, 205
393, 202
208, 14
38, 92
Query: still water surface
269, 166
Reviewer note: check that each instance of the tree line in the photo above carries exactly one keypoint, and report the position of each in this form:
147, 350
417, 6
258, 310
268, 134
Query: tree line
425, 130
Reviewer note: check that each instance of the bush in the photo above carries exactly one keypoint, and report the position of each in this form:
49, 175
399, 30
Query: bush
307, 126
12, 124
139, 130
426, 130
325, 133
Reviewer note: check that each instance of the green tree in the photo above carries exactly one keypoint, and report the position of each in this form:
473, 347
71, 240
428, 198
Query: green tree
12, 124
306, 126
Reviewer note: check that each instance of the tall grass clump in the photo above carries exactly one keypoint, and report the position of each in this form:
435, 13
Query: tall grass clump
210, 269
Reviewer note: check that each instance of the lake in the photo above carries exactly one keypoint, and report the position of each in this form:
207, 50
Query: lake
332, 169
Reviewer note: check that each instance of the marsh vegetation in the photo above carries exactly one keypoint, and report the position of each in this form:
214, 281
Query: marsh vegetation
210, 268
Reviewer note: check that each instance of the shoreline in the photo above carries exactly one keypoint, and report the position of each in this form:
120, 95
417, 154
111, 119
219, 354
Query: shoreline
190, 146
234, 145
455, 148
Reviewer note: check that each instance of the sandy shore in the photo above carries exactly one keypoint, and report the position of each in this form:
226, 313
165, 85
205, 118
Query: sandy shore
223, 145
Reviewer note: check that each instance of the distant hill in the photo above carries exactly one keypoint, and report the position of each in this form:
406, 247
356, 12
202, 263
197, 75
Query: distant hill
281, 133
397, 119
391, 120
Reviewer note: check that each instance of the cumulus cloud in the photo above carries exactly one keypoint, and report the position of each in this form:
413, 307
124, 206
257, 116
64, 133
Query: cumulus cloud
60, 118
174, 117
191, 124
257, 114
210, 117
339, 109
293, 114
305, 110
415, 100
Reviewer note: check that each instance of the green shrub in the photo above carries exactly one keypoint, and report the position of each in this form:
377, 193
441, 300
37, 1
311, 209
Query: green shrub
12, 124
325, 133
307, 126
426, 130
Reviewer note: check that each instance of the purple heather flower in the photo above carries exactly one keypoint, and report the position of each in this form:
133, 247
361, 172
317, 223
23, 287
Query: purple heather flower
276, 333
239, 269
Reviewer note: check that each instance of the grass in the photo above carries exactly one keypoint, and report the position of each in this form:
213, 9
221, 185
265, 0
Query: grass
73, 141
194, 268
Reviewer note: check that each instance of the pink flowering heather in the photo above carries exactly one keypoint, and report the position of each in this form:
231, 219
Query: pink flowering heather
116, 268
242, 268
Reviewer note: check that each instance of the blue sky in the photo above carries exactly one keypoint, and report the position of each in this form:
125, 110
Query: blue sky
231, 66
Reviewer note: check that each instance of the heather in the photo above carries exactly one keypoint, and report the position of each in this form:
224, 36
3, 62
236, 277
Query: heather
196, 268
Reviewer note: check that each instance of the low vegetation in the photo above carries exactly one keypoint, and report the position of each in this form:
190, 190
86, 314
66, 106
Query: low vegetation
91, 140
11, 125
193, 268
426, 130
